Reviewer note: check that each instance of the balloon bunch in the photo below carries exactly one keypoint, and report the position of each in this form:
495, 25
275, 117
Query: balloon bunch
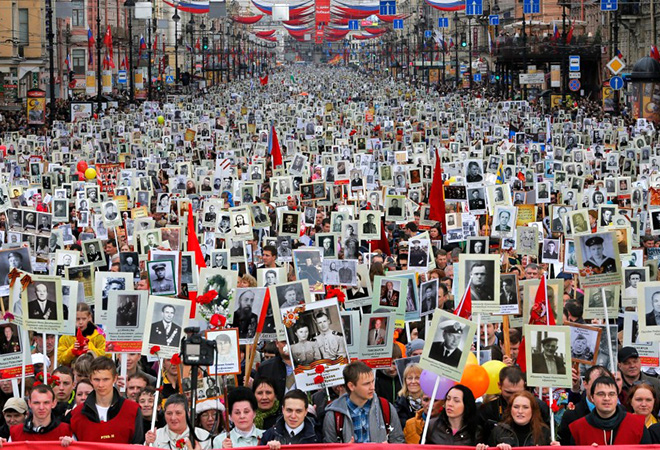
480, 379
84, 171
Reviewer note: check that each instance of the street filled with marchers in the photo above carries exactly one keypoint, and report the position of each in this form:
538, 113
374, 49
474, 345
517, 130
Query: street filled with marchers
324, 255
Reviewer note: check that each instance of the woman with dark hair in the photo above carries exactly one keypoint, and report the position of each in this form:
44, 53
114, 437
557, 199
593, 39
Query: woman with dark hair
242, 410
303, 352
457, 423
268, 406
522, 426
643, 400
177, 427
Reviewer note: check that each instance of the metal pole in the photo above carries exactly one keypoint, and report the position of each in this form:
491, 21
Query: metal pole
131, 94
470, 50
524, 54
51, 65
564, 68
149, 55
98, 57
457, 68
615, 46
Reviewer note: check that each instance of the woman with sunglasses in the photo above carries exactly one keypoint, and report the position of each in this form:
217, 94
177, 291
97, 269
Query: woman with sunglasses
414, 427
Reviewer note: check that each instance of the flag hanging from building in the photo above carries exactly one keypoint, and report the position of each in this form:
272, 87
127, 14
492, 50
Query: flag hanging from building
90, 46
107, 40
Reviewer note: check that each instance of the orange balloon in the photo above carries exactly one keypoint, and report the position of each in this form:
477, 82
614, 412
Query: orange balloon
476, 379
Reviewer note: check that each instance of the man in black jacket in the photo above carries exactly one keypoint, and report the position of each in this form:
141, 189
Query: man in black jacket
294, 427
512, 381
583, 406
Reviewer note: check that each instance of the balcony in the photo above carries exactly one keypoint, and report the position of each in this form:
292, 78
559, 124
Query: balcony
543, 49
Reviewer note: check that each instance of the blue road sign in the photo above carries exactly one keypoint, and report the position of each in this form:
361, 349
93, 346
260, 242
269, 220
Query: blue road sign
477, 77
531, 6
387, 7
428, 34
443, 22
574, 63
398, 24
353, 25
609, 5
121, 77
493, 20
616, 83
474, 7
169, 79
574, 85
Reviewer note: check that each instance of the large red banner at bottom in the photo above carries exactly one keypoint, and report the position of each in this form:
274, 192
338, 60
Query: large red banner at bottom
98, 446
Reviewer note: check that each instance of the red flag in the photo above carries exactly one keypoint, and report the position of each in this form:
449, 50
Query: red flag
193, 243
274, 147
107, 40
381, 244
264, 80
197, 46
541, 314
464, 308
569, 36
437, 195
156, 43
654, 53
264, 312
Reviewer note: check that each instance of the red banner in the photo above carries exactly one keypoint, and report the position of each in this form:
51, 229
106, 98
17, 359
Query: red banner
322, 10
96, 446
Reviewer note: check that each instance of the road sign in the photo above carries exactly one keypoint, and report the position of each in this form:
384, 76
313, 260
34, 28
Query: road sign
574, 63
493, 20
169, 79
616, 65
609, 5
574, 75
121, 77
428, 34
398, 24
531, 6
531, 78
387, 7
616, 83
477, 77
353, 25
474, 7
574, 85
443, 22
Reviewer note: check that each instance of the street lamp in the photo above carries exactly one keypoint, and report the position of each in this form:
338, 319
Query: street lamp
129, 5
176, 19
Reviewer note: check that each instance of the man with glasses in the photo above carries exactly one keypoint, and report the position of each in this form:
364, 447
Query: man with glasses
608, 423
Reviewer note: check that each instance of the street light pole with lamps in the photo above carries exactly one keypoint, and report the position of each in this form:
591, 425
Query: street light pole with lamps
176, 18
129, 5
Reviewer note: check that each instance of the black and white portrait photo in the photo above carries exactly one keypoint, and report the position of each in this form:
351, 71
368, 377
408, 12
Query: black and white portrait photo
504, 221
585, 342
129, 262
549, 353
161, 277
478, 245
128, 307
248, 306
428, 297
166, 326
449, 343
16, 258
550, 250
290, 294
598, 258
509, 293
111, 216
42, 303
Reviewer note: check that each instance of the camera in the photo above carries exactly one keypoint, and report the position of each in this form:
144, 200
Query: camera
197, 351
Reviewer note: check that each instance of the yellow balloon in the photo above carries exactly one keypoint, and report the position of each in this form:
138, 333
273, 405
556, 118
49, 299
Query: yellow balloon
90, 173
471, 359
493, 369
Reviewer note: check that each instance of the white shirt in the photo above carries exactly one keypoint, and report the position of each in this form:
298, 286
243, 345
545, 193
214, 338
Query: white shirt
102, 412
296, 431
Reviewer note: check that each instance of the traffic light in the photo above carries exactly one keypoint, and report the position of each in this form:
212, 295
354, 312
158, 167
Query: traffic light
205, 43
463, 40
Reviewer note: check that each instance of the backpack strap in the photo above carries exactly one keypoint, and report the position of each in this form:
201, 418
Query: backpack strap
385, 410
339, 426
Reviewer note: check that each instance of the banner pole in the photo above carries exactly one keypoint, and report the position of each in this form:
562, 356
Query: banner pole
428, 414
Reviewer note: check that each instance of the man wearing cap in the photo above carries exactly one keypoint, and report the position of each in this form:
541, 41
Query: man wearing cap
580, 348
165, 331
14, 413
547, 361
418, 256
630, 367
447, 351
597, 260
161, 283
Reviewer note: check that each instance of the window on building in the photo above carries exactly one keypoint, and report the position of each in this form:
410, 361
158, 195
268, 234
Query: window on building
78, 13
23, 27
79, 61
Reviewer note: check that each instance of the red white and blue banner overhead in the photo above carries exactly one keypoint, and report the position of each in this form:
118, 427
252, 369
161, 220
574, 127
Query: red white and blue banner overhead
447, 5
190, 6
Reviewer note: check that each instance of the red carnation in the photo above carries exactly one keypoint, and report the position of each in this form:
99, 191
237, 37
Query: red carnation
155, 349
218, 320
176, 359
206, 298
319, 379
181, 443
320, 369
